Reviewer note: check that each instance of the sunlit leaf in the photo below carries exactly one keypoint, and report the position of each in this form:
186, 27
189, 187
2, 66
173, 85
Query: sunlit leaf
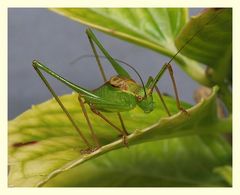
42, 142
169, 162
225, 172
150, 27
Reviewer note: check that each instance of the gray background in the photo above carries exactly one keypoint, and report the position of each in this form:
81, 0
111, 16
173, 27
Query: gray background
56, 41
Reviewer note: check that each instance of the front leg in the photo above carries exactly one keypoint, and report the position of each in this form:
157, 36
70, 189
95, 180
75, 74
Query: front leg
170, 70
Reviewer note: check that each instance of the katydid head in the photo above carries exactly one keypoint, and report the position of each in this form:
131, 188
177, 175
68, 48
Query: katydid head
146, 103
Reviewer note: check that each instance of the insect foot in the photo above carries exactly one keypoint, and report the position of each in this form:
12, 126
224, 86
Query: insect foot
125, 140
184, 111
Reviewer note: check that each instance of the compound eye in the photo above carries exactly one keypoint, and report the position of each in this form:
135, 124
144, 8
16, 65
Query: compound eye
139, 98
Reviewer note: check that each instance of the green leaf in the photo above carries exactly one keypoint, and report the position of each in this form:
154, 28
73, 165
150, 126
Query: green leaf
212, 46
42, 142
225, 172
164, 163
155, 28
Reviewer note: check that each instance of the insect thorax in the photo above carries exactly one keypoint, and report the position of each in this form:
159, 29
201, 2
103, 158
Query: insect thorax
127, 85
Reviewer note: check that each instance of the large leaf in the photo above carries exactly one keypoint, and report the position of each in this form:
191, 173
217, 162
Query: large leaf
169, 162
42, 142
213, 44
155, 28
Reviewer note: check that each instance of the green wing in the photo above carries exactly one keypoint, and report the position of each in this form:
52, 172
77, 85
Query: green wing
121, 71
111, 99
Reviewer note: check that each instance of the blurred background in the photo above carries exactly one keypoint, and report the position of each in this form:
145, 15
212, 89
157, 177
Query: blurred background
35, 33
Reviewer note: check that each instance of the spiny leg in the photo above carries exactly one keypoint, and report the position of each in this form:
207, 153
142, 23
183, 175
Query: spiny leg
97, 59
88, 121
35, 65
105, 79
156, 79
122, 123
110, 123
119, 69
161, 98
170, 70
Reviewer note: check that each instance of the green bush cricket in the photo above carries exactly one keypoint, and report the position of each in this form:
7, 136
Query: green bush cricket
118, 94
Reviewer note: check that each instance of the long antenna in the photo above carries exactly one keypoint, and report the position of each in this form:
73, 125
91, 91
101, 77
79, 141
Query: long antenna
194, 35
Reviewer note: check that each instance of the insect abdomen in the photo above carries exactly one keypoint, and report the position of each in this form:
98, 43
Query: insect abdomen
112, 99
